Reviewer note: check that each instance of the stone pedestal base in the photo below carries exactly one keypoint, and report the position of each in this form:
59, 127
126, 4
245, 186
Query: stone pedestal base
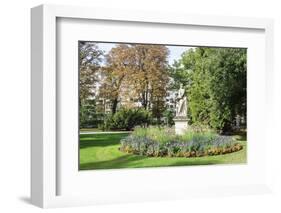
180, 125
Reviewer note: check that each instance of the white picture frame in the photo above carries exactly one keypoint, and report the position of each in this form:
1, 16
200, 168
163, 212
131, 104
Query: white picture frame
45, 178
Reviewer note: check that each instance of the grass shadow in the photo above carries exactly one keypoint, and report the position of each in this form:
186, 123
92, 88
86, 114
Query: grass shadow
119, 162
132, 161
101, 140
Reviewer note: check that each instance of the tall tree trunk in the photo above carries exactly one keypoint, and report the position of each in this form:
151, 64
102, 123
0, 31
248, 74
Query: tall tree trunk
114, 106
144, 101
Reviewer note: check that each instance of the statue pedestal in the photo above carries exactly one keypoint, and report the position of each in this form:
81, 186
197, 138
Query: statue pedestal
181, 125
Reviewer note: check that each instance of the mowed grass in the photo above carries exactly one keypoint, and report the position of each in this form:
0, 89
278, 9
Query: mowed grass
90, 130
100, 151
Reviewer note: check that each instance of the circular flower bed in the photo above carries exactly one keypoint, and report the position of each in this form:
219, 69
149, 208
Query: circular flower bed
163, 143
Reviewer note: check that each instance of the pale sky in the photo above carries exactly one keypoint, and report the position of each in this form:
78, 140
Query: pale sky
175, 51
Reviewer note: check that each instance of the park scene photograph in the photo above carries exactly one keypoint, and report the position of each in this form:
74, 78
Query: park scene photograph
154, 105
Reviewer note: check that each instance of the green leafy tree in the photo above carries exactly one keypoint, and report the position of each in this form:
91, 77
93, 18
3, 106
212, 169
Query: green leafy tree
90, 58
89, 117
215, 82
228, 87
169, 116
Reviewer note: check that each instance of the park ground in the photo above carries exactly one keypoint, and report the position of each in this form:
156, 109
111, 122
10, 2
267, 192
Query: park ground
100, 151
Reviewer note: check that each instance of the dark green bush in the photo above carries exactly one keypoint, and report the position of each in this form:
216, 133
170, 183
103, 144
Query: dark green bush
169, 117
89, 116
126, 119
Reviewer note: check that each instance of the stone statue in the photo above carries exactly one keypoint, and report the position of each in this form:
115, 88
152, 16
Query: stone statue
181, 104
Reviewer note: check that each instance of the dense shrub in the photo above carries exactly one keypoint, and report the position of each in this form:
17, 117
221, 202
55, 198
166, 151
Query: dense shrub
126, 119
88, 115
169, 117
150, 142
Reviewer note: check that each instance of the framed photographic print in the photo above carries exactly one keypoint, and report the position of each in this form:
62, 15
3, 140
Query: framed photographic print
149, 106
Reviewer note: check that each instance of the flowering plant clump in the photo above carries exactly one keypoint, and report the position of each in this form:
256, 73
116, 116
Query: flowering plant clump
158, 142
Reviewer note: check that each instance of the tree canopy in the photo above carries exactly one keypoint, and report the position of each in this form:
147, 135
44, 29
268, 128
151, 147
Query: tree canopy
137, 72
89, 63
215, 81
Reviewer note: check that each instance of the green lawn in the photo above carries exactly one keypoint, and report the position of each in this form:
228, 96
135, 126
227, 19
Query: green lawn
90, 130
100, 151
